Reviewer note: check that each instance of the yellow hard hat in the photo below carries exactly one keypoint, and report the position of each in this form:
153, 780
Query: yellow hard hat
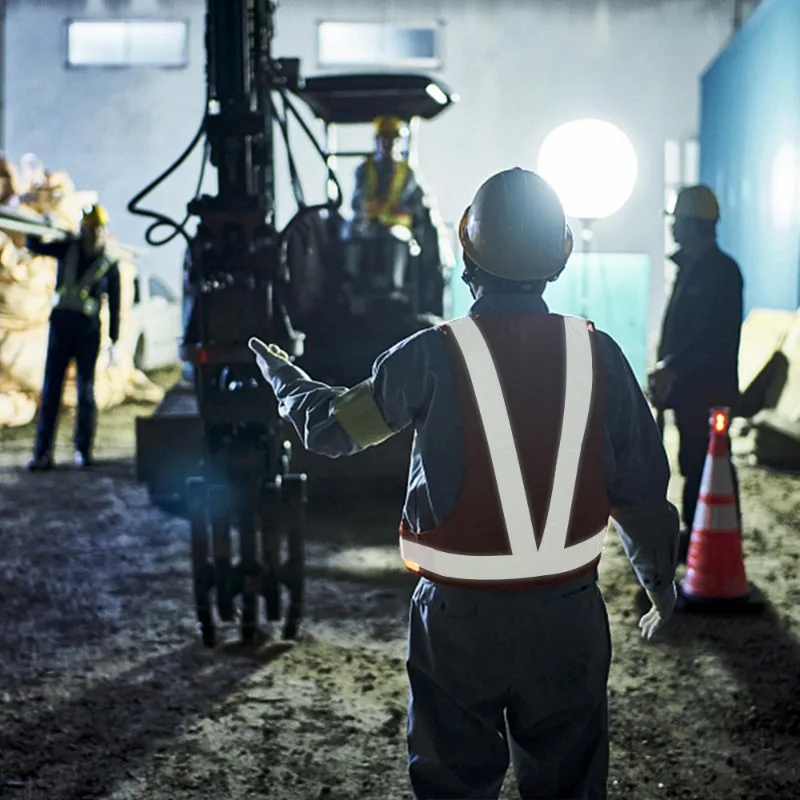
388, 126
516, 228
95, 217
697, 202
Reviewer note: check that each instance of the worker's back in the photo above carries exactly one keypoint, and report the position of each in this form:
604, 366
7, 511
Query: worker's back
621, 453
529, 395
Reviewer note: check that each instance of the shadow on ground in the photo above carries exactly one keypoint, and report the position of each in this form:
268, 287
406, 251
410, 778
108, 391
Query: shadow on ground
89, 744
762, 657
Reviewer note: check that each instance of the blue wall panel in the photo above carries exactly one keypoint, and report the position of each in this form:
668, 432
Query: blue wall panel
750, 151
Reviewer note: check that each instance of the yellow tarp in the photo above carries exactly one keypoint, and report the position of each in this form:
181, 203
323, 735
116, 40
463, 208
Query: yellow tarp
762, 334
788, 405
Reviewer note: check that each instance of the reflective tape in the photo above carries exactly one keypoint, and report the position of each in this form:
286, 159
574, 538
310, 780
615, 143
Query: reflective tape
526, 560
361, 417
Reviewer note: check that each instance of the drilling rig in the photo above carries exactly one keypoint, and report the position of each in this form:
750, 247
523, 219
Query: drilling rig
221, 444
236, 280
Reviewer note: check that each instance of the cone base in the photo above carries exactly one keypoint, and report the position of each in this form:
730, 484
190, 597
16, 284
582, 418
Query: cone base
751, 603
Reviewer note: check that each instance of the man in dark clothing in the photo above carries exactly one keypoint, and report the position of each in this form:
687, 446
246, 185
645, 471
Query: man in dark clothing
699, 349
85, 273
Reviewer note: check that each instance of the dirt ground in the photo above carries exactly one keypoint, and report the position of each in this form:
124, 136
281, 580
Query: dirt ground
105, 690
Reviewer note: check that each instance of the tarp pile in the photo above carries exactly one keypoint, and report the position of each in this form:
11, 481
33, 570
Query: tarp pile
27, 283
769, 366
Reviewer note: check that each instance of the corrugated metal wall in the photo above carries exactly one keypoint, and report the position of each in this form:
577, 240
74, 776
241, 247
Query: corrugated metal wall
750, 151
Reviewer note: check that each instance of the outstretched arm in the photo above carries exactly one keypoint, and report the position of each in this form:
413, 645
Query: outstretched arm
336, 421
57, 249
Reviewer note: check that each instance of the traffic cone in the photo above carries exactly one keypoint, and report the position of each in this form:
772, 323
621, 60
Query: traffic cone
715, 578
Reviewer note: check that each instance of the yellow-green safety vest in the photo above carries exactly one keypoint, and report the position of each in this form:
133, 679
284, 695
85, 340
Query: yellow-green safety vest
74, 294
385, 212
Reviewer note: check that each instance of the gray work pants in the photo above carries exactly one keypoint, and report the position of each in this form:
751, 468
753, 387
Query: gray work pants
500, 677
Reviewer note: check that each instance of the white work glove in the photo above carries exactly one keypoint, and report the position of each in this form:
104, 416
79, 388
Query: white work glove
269, 357
112, 355
658, 616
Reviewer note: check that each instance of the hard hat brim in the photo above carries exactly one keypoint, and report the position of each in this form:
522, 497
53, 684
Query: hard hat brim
471, 252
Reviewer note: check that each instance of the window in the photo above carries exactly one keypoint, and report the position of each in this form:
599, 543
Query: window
376, 44
127, 43
160, 289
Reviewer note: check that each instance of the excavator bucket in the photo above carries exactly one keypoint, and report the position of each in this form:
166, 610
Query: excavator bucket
169, 450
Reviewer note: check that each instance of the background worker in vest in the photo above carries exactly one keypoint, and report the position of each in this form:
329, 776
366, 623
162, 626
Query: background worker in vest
698, 353
85, 273
386, 191
386, 198
509, 642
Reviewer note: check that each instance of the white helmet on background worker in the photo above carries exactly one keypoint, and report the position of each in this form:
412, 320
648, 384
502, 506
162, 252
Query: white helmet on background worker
697, 202
516, 229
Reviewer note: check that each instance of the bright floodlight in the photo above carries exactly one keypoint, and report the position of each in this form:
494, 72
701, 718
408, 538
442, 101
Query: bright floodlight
592, 166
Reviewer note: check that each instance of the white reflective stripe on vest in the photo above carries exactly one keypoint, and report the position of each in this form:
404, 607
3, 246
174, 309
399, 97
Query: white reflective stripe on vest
526, 559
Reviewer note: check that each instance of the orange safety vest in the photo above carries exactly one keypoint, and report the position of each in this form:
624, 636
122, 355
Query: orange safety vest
533, 507
385, 211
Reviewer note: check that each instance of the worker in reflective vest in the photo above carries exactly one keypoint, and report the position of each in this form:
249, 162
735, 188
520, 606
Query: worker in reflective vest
386, 201
531, 431
386, 193
85, 273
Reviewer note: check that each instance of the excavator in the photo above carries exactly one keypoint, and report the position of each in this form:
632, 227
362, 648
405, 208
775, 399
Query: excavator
216, 444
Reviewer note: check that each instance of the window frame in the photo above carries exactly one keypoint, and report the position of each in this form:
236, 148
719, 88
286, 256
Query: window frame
434, 63
128, 64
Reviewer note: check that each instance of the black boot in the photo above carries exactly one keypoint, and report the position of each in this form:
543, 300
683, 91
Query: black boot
41, 463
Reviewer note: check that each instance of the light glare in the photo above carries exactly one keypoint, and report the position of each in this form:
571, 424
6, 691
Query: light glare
592, 166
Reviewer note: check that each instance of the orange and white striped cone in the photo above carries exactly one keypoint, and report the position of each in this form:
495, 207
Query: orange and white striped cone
715, 577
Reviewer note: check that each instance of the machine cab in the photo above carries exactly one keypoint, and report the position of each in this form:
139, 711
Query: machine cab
372, 265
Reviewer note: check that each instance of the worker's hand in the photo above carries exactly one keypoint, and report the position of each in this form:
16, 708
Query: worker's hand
659, 384
658, 616
269, 357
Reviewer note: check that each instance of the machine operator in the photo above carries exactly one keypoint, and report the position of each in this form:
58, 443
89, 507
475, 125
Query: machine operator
386, 199
386, 193
531, 431
85, 273
699, 348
